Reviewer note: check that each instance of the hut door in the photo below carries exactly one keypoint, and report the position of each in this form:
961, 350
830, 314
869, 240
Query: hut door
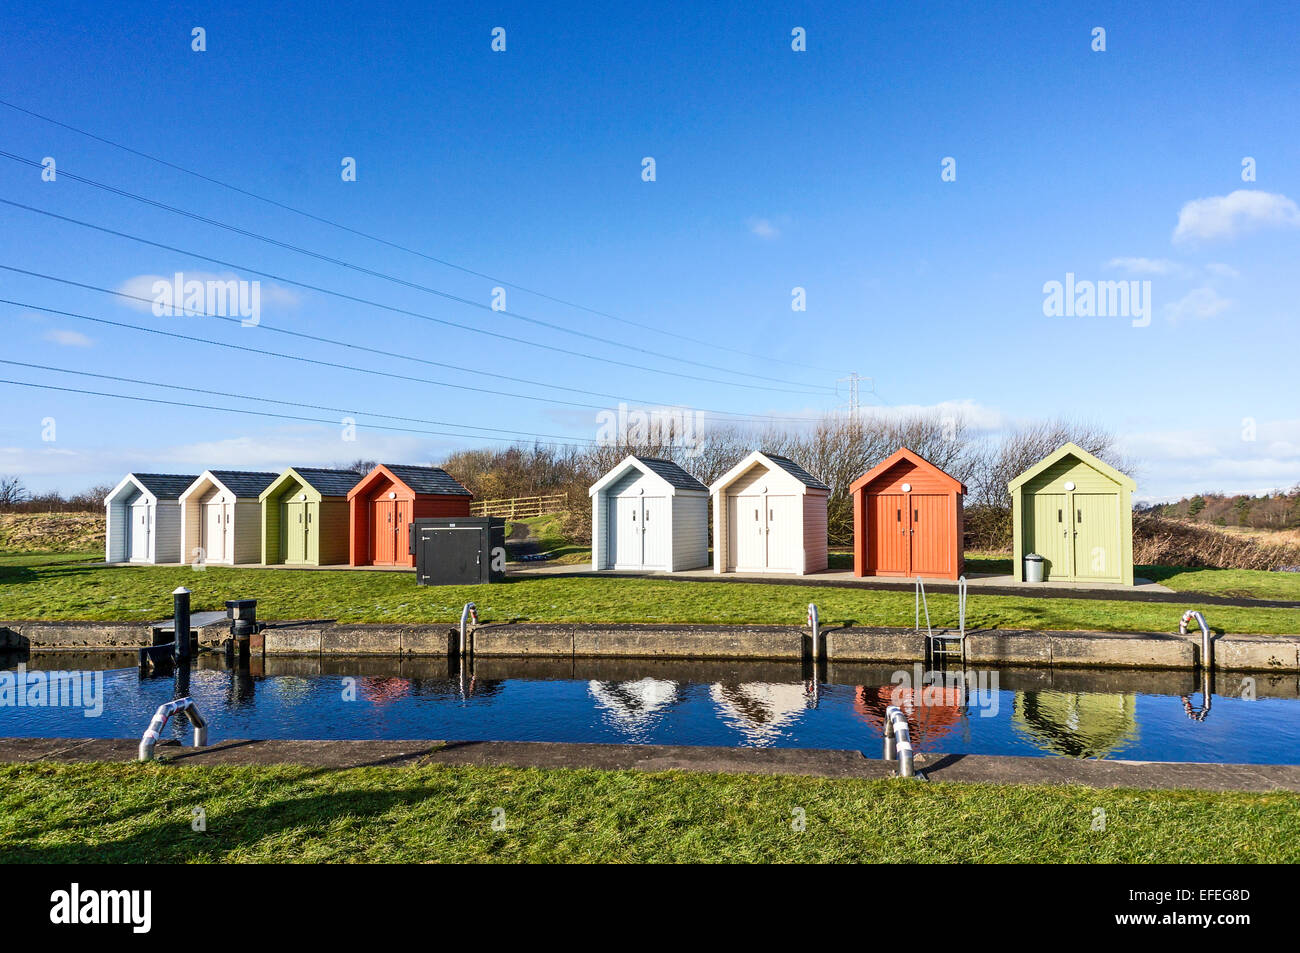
888, 534
1096, 535
401, 530
626, 526
783, 542
747, 532
295, 532
214, 532
1049, 533
654, 529
383, 531
930, 538
140, 532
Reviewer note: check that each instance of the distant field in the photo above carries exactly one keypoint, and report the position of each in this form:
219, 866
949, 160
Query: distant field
51, 532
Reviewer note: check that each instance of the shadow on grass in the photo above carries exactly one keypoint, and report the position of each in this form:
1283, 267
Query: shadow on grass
173, 841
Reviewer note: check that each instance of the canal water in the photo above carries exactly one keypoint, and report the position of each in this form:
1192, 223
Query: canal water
1135, 715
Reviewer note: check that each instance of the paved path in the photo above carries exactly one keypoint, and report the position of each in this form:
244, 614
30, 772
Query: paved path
807, 762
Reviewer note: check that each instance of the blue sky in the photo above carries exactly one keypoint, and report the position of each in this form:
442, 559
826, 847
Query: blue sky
774, 169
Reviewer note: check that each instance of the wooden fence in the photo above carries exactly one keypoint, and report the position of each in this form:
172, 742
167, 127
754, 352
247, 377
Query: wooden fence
519, 507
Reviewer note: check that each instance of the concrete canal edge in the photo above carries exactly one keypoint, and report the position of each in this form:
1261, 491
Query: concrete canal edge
1152, 650
803, 762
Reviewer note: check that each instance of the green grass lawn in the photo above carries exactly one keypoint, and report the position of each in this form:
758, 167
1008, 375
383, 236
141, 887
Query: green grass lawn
33, 589
115, 813
1244, 583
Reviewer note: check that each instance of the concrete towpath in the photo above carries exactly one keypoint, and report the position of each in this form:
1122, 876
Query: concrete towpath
805, 762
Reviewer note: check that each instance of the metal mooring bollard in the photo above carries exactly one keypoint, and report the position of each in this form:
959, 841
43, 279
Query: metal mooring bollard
815, 626
181, 621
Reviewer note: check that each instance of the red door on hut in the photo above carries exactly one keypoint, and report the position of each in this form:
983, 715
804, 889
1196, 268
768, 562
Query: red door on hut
907, 519
383, 504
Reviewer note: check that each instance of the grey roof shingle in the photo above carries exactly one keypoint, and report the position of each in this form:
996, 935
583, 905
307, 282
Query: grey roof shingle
673, 473
329, 482
165, 486
796, 471
245, 484
428, 480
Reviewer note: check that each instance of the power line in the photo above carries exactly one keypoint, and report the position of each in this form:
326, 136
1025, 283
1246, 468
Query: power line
358, 347
256, 413
290, 403
385, 307
395, 245
361, 269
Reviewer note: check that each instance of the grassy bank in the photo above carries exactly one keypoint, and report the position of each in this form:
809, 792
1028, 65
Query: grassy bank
102, 813
31, 588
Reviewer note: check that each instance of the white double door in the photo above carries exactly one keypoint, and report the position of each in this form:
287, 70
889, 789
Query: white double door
639, 532
764, 533
218, 526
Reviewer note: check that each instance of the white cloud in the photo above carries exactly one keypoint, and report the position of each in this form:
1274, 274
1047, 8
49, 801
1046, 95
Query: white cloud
1148, 266
50, 467
1221, 270
1179, 463
1203, 302
1239, 212
764, 228
141, 287
65, 338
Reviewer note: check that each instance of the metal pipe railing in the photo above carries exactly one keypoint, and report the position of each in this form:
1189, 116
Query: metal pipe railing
1206, 636
165, 711
467, 615
961, 606
898, 741
919, 590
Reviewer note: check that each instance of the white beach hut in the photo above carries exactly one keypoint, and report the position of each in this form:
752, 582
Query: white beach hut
649, 514
769, 515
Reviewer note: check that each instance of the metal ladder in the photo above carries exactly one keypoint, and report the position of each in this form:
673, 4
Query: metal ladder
946, 644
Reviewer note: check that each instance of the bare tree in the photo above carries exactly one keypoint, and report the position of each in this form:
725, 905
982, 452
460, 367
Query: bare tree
12, 491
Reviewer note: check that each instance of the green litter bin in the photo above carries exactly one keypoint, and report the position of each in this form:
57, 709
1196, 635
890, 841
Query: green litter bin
1033, 568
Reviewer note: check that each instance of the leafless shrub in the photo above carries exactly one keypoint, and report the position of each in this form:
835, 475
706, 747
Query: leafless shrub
1160, 541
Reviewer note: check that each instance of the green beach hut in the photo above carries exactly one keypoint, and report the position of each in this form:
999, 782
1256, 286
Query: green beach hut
305, 517
1077, 513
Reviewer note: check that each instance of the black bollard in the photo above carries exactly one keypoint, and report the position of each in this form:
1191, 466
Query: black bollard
181, 622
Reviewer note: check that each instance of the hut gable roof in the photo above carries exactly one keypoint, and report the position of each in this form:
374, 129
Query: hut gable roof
898, 456
1083, 456
665, 471
427, 480
161, 486
329, 482
772, 462
323, 481
244, 484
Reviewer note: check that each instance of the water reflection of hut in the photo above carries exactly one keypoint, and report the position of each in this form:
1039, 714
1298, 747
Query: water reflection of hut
932, 711
634, 705
383, 690
1076, 724
760, 710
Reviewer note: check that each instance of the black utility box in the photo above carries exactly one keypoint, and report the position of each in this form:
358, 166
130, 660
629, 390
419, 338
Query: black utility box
458, 550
